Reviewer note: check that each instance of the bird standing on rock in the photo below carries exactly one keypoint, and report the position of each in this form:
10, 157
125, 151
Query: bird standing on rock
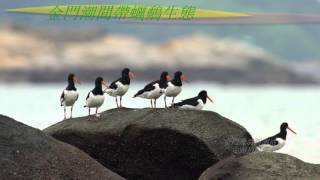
70, 95
195, 103
275, 142
154, 89
120, 86
95, 97
174, 87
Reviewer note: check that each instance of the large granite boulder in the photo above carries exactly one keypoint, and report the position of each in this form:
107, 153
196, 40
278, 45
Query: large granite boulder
262, 166
29, 154
146, 144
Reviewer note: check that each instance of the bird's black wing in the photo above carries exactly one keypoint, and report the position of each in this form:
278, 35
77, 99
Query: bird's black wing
270, 140
113, 85
62, 98
148, 87
88, 95
191, 101
164, 85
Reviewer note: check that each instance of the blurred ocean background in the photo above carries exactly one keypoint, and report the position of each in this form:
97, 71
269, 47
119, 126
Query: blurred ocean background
260, 109
259, 75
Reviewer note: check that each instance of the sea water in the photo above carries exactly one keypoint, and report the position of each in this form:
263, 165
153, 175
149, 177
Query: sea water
260, 109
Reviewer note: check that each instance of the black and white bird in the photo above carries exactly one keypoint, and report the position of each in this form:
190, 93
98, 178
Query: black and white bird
121, 86
154, 89
195, 103
69, 95
275, 142
95, 97
174, 87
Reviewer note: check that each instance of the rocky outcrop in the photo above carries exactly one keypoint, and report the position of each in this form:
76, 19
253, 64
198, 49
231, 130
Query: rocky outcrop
29, 154
146, 144
262, 166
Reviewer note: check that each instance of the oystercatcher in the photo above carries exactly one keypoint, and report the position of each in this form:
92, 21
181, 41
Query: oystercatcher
275, 142
69, 95
174, 87
95, 97
195, 103
120, 86
154, 89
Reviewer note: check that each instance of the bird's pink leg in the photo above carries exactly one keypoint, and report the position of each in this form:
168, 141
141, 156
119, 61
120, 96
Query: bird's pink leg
165, 102
71, 111
89, 114
65, 116
172, 103
117, 102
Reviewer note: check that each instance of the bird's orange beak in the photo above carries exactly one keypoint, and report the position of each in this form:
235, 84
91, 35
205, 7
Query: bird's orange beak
210, 99
168, 77
292, 130
76, 80
131, 74
184, 78
104, 83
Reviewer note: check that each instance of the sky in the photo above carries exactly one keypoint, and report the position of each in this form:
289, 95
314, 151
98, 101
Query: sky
290, 42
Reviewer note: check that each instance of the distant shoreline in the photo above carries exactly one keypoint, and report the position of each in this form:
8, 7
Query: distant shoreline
254, 76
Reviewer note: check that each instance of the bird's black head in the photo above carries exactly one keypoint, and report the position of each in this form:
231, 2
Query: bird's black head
284, 126
98, 86
99, 81
177, 75
71, 77
71, 82
203, 94
178, 78
283, 130
164, 76
125, 72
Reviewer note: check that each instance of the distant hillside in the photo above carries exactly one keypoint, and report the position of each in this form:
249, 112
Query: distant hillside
310, 68
35, 57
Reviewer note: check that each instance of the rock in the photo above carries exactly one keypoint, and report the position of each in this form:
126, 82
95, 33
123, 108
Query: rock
146, 144
29, 154
262, 166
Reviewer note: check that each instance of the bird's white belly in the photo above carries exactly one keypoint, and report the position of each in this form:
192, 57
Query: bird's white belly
70, 97
173, 91
270, 148
198, 107
155, 94
120, 91
95, 101
144, 95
